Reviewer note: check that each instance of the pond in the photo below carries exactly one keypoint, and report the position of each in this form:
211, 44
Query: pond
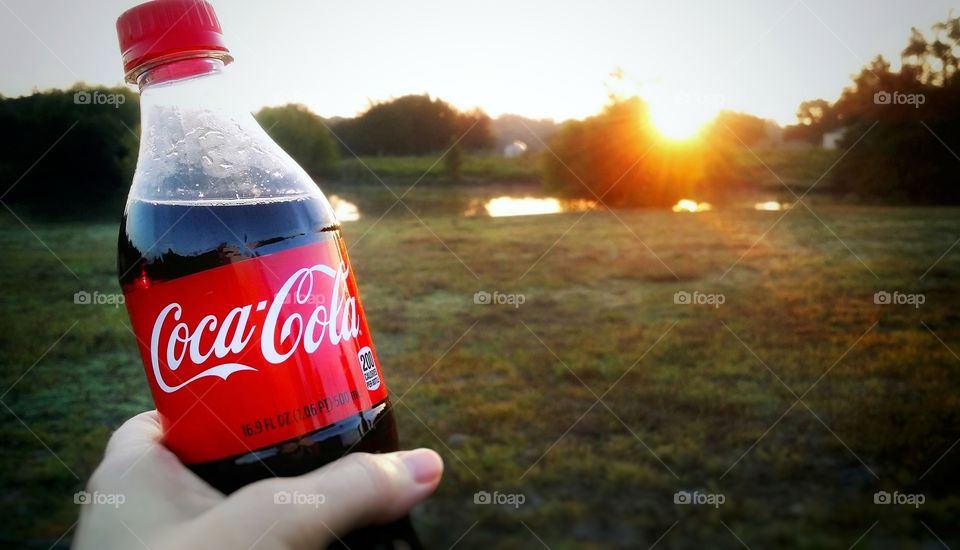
351, 203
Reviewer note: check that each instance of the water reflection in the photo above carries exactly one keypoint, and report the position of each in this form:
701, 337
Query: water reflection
523, 206
771, 206
344, 210
688, 205
506, 205
485, 204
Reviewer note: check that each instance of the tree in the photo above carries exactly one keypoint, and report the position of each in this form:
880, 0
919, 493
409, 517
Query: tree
617, 156
813, 112
304, 136
901, 125
741, 128
89, 135
414, 125
907, 123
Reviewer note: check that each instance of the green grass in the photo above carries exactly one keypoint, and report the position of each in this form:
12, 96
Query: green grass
599, 320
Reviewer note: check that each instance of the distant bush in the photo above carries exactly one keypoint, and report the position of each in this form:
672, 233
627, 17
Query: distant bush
414, 125
68, 148
304, 136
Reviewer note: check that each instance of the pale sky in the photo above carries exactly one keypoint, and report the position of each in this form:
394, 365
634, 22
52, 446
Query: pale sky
543, 58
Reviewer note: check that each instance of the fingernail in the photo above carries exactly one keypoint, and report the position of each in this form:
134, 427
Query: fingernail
423, 464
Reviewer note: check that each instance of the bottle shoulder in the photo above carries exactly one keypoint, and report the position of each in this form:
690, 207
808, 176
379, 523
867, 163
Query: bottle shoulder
196, 154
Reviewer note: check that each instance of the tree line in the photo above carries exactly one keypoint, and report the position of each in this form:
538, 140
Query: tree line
902, 128
61, 149
901, 139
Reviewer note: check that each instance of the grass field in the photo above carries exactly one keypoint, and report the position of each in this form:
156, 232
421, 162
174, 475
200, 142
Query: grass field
599, 397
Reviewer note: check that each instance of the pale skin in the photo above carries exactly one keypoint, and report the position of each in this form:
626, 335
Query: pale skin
164, 505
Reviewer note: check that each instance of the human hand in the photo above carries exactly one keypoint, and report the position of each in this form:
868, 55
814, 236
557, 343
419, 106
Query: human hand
164, 505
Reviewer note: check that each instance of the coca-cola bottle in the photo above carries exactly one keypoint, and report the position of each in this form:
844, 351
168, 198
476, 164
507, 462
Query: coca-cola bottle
236, 277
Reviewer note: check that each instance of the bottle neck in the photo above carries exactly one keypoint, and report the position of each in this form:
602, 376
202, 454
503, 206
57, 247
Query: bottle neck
173, 71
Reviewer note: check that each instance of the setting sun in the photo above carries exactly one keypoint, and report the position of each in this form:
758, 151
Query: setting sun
676, 120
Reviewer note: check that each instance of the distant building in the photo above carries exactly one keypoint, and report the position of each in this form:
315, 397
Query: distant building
534, 132
832, 139
515, 149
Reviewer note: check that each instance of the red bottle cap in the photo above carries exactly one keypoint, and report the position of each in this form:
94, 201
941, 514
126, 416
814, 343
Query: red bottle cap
165, 30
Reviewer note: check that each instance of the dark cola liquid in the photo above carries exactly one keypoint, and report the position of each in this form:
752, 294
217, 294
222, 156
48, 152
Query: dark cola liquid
160, 241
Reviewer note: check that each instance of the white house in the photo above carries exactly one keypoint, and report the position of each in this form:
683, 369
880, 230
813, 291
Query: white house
831, 139
515, 149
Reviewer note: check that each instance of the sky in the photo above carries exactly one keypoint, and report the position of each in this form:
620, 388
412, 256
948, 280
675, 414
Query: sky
538, 58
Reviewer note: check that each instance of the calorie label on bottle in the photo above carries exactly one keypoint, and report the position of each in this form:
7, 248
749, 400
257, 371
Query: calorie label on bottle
247, 355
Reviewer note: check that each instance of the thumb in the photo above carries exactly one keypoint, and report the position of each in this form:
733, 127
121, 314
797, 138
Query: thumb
312, 510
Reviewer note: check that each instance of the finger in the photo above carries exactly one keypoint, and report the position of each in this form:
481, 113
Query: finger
154, 491
314, 509
137, 462
136, 435
137, 444
364, 488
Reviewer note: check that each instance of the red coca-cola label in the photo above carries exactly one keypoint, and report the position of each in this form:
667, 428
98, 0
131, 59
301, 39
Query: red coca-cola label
249, 354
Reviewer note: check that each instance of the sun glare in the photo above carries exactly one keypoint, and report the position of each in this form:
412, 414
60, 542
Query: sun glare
525, 206
677, 112
677, 121
687, 205
770, 206
345, 211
